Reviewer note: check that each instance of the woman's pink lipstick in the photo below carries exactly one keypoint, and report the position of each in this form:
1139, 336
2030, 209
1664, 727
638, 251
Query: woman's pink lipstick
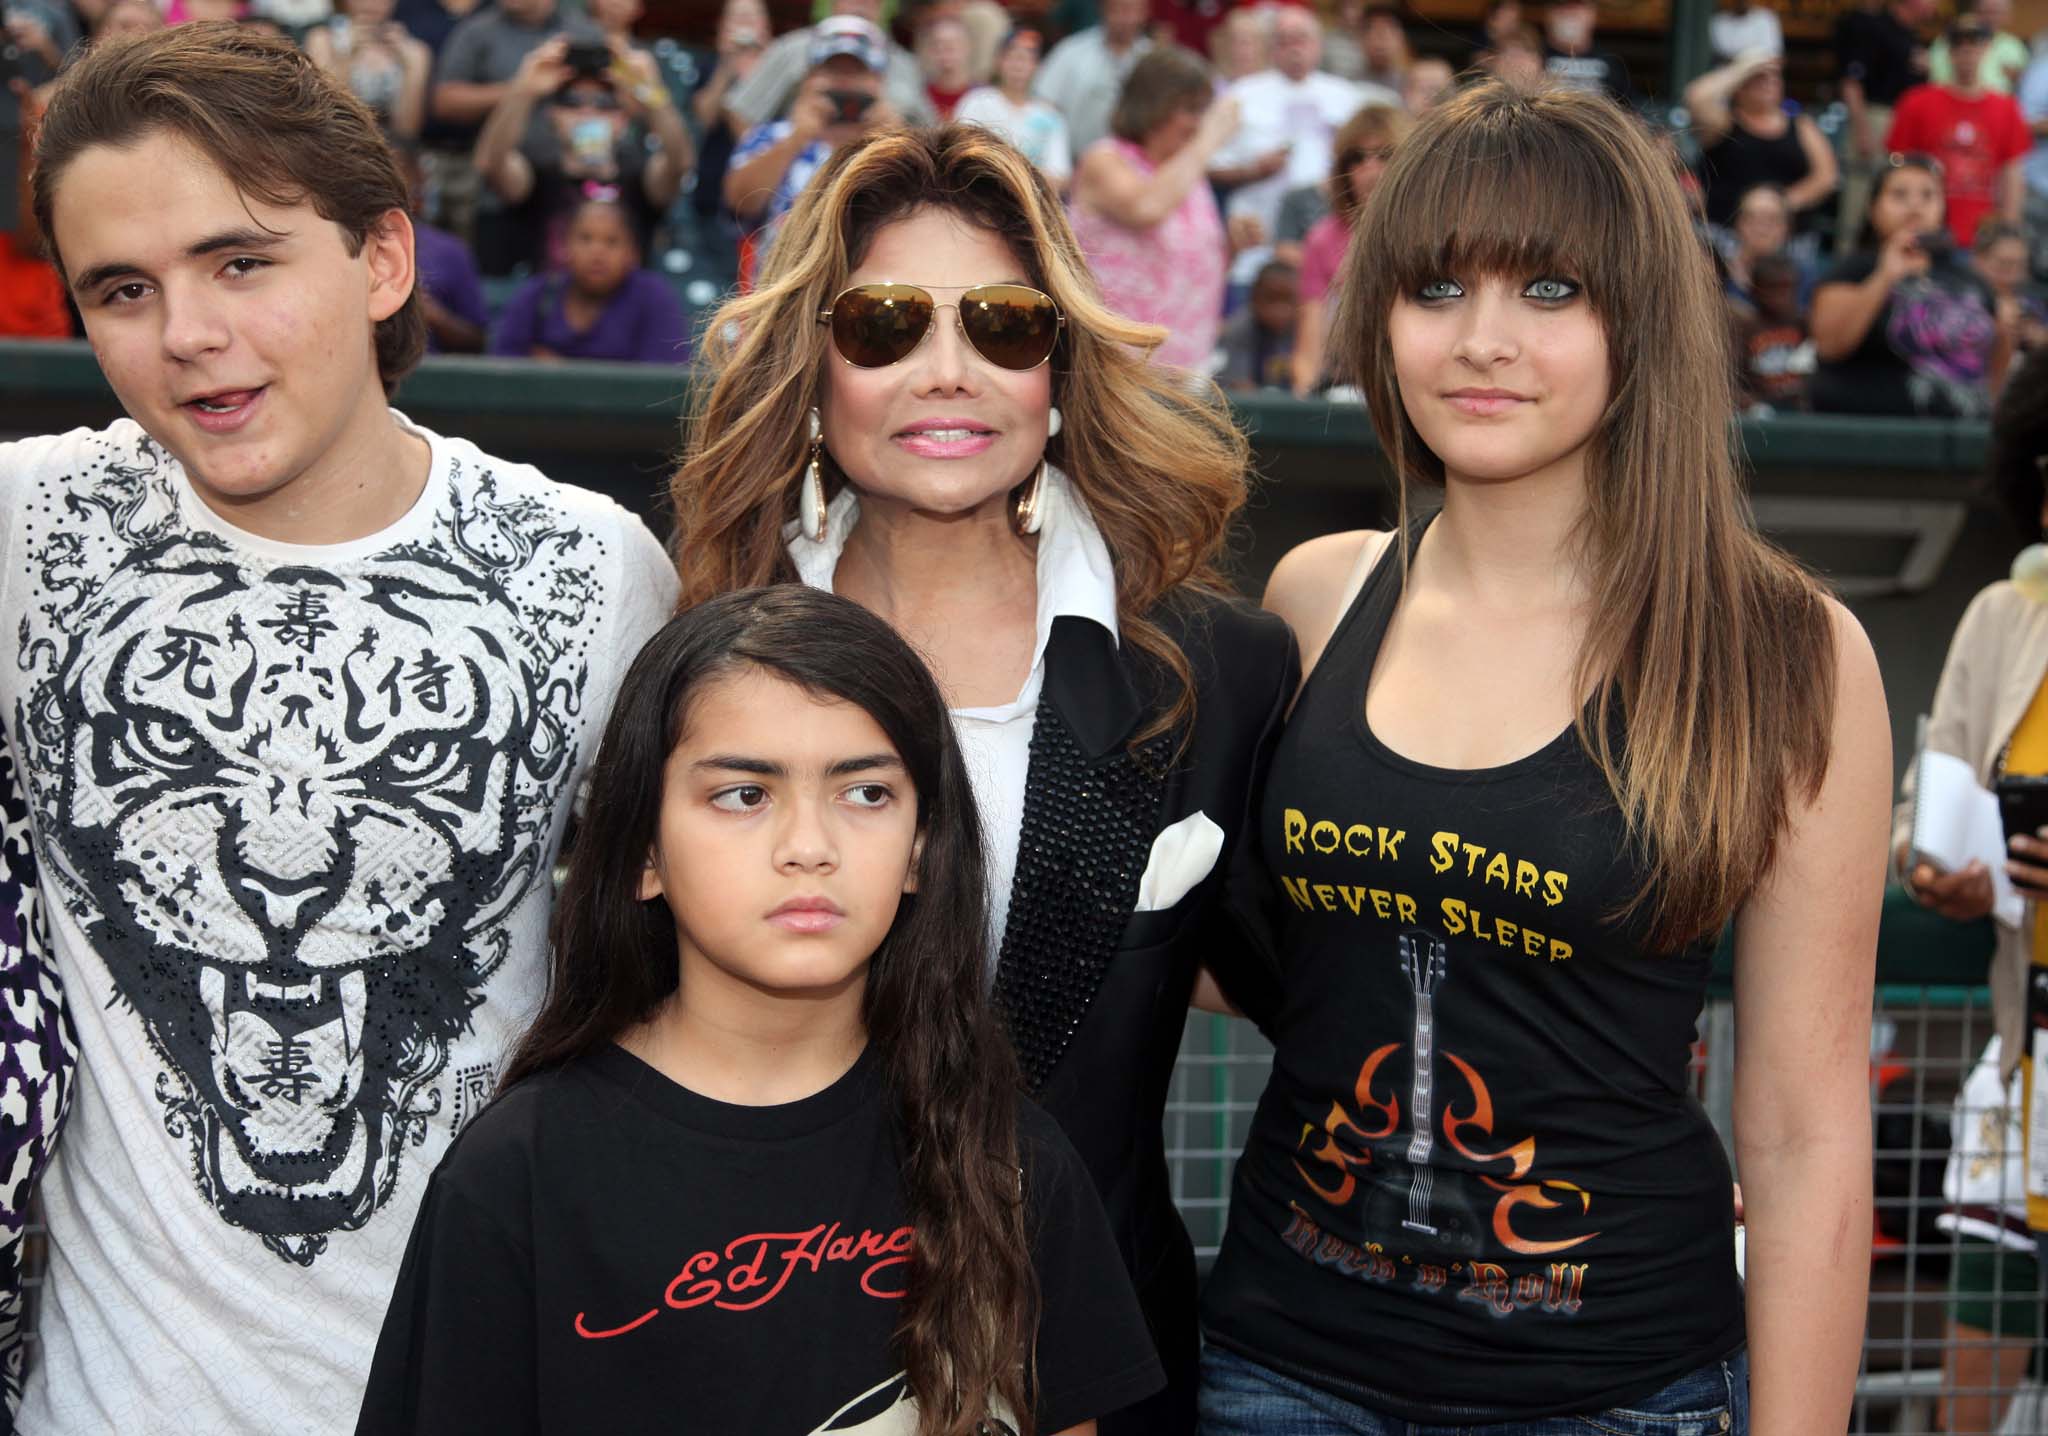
946, 438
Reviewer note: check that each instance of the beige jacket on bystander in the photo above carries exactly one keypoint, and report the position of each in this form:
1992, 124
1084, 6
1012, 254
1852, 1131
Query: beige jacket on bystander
1996, 662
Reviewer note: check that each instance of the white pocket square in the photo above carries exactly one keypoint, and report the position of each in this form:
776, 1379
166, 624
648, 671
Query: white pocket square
1182, 855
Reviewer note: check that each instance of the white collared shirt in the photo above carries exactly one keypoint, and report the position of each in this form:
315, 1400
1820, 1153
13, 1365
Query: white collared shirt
1074, 581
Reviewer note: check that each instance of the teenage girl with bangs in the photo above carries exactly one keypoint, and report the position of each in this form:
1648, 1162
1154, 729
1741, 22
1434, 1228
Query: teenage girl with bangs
759, 1165
1552, 741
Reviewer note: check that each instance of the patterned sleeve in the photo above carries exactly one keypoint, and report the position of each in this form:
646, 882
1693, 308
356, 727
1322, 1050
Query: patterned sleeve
764, 136
38, 1055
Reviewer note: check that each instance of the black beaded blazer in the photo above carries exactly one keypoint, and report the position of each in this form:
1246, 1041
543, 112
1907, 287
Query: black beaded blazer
1095, 993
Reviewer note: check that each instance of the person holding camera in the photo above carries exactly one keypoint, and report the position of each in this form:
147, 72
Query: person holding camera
477, 49
598, 99
769, 91
1903, 324
839, 101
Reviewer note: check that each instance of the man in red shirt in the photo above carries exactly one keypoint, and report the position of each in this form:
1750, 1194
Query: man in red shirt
1978, 136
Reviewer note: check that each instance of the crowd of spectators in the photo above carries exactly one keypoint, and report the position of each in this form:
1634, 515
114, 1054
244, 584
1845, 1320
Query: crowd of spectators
580, 193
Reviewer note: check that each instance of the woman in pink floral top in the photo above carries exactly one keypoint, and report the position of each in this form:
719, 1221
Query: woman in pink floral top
1143, 211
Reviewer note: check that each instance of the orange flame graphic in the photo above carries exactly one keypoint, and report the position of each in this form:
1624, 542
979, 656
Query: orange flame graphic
1339, 1122
1522, 1156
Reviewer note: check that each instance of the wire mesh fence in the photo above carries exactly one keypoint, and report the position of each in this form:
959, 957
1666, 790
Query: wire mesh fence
1951, 1344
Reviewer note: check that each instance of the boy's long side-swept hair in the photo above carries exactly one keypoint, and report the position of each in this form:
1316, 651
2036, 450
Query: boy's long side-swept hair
281, 129
1708, 647
1162, 471
970, 1311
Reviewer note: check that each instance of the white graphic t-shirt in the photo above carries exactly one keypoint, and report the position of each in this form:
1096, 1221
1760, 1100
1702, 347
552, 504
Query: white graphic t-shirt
295, 811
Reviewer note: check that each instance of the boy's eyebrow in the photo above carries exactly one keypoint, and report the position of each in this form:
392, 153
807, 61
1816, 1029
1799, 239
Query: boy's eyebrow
241, 237
734, 763
767, 768
867, 763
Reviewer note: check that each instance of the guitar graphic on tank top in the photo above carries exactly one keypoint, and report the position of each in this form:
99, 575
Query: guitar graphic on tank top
1414, 1206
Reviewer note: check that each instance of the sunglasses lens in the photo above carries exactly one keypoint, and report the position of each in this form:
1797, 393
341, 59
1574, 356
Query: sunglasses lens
1009, 325
875, 325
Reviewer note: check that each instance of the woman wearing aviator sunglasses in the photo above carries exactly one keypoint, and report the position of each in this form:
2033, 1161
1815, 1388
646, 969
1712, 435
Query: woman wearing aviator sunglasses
925, 407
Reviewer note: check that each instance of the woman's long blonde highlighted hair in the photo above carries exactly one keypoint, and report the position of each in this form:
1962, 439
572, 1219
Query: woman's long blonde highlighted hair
1161, 469
1708, 648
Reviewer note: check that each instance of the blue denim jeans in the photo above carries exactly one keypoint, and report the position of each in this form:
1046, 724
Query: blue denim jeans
1242, 1398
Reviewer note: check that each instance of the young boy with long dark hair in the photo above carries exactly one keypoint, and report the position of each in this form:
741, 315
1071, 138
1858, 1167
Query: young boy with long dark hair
762, 1163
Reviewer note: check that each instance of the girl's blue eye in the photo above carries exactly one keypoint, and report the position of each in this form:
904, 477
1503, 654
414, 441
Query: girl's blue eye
1551, 291
1439, 289
746, 798
869, 795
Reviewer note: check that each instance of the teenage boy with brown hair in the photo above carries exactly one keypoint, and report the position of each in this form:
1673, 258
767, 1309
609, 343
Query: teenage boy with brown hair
301, 693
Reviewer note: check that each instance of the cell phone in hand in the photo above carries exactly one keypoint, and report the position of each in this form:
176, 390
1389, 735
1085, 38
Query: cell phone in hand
2023, 810
588, 57
849, 106
1936, 244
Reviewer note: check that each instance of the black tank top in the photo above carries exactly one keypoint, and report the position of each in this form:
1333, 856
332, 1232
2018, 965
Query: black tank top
1745, 159
1477, 1187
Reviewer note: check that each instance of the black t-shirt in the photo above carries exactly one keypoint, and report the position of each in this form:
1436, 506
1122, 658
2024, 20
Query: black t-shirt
1873, 47
1478, 1187
1743, 160
1927, 351
604, 1250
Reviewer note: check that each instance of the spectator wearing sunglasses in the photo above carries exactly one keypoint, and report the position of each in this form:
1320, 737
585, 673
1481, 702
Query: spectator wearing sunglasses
924, 406
1362, 149
600, 103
